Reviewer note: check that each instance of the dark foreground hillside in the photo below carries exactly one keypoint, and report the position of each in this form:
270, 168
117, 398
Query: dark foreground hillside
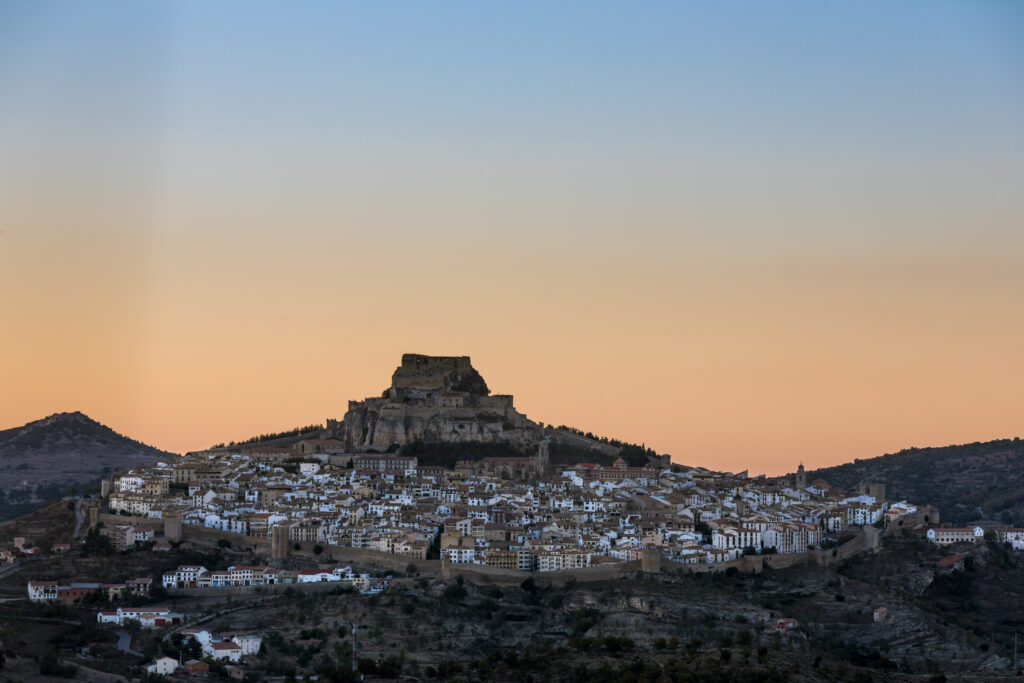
966, 482
42, 460
806, 623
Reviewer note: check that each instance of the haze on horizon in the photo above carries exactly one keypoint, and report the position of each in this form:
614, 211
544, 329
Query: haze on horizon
748, 236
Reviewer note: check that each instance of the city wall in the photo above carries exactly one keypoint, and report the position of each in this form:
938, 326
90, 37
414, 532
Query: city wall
333, 554
865, 539
232, 591
513, 577
110, 519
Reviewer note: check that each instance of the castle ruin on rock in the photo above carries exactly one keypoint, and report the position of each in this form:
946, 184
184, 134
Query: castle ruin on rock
431, 399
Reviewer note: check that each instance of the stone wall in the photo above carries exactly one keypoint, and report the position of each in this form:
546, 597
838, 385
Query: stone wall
109, 519
513, 577
231, 591
867, 538
337, 554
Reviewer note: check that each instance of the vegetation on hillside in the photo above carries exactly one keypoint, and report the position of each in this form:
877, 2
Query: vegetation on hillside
64, 453
272, 436
635, 455
965, 482
437, 454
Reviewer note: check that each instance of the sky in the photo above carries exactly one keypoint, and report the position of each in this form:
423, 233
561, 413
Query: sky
748, 235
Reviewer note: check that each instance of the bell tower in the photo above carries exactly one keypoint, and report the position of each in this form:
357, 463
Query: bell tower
801, 477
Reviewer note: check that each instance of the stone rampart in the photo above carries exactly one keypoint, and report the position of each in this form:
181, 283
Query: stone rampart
232, 591
513, 577
109, 519
757, 563
337, 554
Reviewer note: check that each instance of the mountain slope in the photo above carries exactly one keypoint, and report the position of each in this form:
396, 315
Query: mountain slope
41, 460
966, 482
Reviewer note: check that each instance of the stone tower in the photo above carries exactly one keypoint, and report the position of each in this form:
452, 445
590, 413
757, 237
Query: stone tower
801, 477
650, 560
279, 541
172, 526
741, 507
91, 512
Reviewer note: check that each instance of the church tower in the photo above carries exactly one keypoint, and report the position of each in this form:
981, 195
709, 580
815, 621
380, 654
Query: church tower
801, 478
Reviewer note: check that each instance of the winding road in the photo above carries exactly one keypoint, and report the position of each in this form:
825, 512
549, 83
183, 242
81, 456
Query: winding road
78, 517
124, 643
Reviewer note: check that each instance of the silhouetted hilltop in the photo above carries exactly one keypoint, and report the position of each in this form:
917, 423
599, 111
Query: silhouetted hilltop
966, 482
42, 460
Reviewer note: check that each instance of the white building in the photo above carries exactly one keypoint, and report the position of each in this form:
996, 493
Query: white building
250, 645
231, 652
149, 617
41, 591
185, 576
163, 666
1015, 537
956, 535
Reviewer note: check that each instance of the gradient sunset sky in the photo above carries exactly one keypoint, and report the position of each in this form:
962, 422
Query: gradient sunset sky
746, 234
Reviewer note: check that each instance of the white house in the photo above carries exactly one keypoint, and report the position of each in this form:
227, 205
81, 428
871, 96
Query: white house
220, 651
185, 576
316, 576
149, 617
202, 636
1015, 537
956, 535
250, 645
39, 591
163, 666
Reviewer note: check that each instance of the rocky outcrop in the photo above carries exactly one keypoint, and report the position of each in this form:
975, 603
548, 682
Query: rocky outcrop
436, 398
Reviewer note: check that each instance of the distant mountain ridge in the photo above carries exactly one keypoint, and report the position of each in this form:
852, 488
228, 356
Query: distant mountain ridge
966, 482
41, 460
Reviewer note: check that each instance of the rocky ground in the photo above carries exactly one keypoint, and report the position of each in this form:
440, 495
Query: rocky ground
670, 626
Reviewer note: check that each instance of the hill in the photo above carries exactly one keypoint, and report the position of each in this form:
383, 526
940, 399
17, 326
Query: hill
42, 460
967, 482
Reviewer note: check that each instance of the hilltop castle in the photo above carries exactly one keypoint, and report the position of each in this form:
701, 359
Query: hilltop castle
434, 398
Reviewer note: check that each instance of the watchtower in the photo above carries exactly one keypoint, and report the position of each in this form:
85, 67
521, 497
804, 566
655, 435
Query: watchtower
172, 525
801, 478
279, 541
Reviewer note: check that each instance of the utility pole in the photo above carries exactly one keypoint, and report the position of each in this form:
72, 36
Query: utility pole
355, 648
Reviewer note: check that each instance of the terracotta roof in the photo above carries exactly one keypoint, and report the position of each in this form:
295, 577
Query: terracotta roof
951, 560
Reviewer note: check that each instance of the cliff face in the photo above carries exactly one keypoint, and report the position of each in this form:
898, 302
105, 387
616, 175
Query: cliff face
436, 398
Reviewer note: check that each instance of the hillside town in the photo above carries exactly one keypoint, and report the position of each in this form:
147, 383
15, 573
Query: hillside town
513, 513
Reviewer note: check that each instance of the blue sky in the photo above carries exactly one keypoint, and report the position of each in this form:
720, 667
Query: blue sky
571, 156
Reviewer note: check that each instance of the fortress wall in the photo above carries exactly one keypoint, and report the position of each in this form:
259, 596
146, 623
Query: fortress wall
500, 402
191, 532
364, 557
110, 519
339, 554
229, 591
856, 544
513, 577
757, 563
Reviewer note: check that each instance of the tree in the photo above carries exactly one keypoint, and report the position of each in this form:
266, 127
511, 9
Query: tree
223, 543
96, 543
457, 591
